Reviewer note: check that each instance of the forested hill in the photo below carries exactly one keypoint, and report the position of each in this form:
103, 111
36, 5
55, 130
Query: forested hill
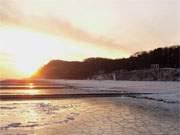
168, 57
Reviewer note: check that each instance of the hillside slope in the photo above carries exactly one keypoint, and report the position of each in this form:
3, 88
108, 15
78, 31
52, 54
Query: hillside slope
141, 61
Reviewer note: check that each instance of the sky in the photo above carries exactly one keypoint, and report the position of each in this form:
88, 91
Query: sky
33, 32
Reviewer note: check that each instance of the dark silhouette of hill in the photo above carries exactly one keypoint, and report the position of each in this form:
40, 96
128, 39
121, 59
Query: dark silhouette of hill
167, 57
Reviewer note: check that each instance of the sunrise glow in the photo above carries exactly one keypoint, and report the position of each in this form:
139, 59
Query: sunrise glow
30, 50
34, 32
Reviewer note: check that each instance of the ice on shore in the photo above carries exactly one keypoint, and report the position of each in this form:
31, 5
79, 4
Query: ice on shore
89, 116
160, 90
140, 114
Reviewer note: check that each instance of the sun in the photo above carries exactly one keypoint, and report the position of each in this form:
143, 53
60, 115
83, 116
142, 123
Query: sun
31, 50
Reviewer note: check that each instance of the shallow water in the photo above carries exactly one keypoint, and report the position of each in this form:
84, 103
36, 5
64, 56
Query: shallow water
89, 116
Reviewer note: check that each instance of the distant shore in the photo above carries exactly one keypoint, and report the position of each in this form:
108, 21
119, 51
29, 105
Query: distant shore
161, 74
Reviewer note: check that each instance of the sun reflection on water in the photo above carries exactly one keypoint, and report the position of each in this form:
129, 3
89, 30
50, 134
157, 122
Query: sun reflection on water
31, 90
31, 85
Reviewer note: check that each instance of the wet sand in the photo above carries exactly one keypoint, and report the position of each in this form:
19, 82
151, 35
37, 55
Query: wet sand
89, 116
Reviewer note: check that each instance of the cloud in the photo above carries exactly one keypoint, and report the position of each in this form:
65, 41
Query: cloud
5, 57
12, 14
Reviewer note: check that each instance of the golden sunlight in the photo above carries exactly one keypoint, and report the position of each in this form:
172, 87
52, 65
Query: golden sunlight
31, 85
30, 50
31, 92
